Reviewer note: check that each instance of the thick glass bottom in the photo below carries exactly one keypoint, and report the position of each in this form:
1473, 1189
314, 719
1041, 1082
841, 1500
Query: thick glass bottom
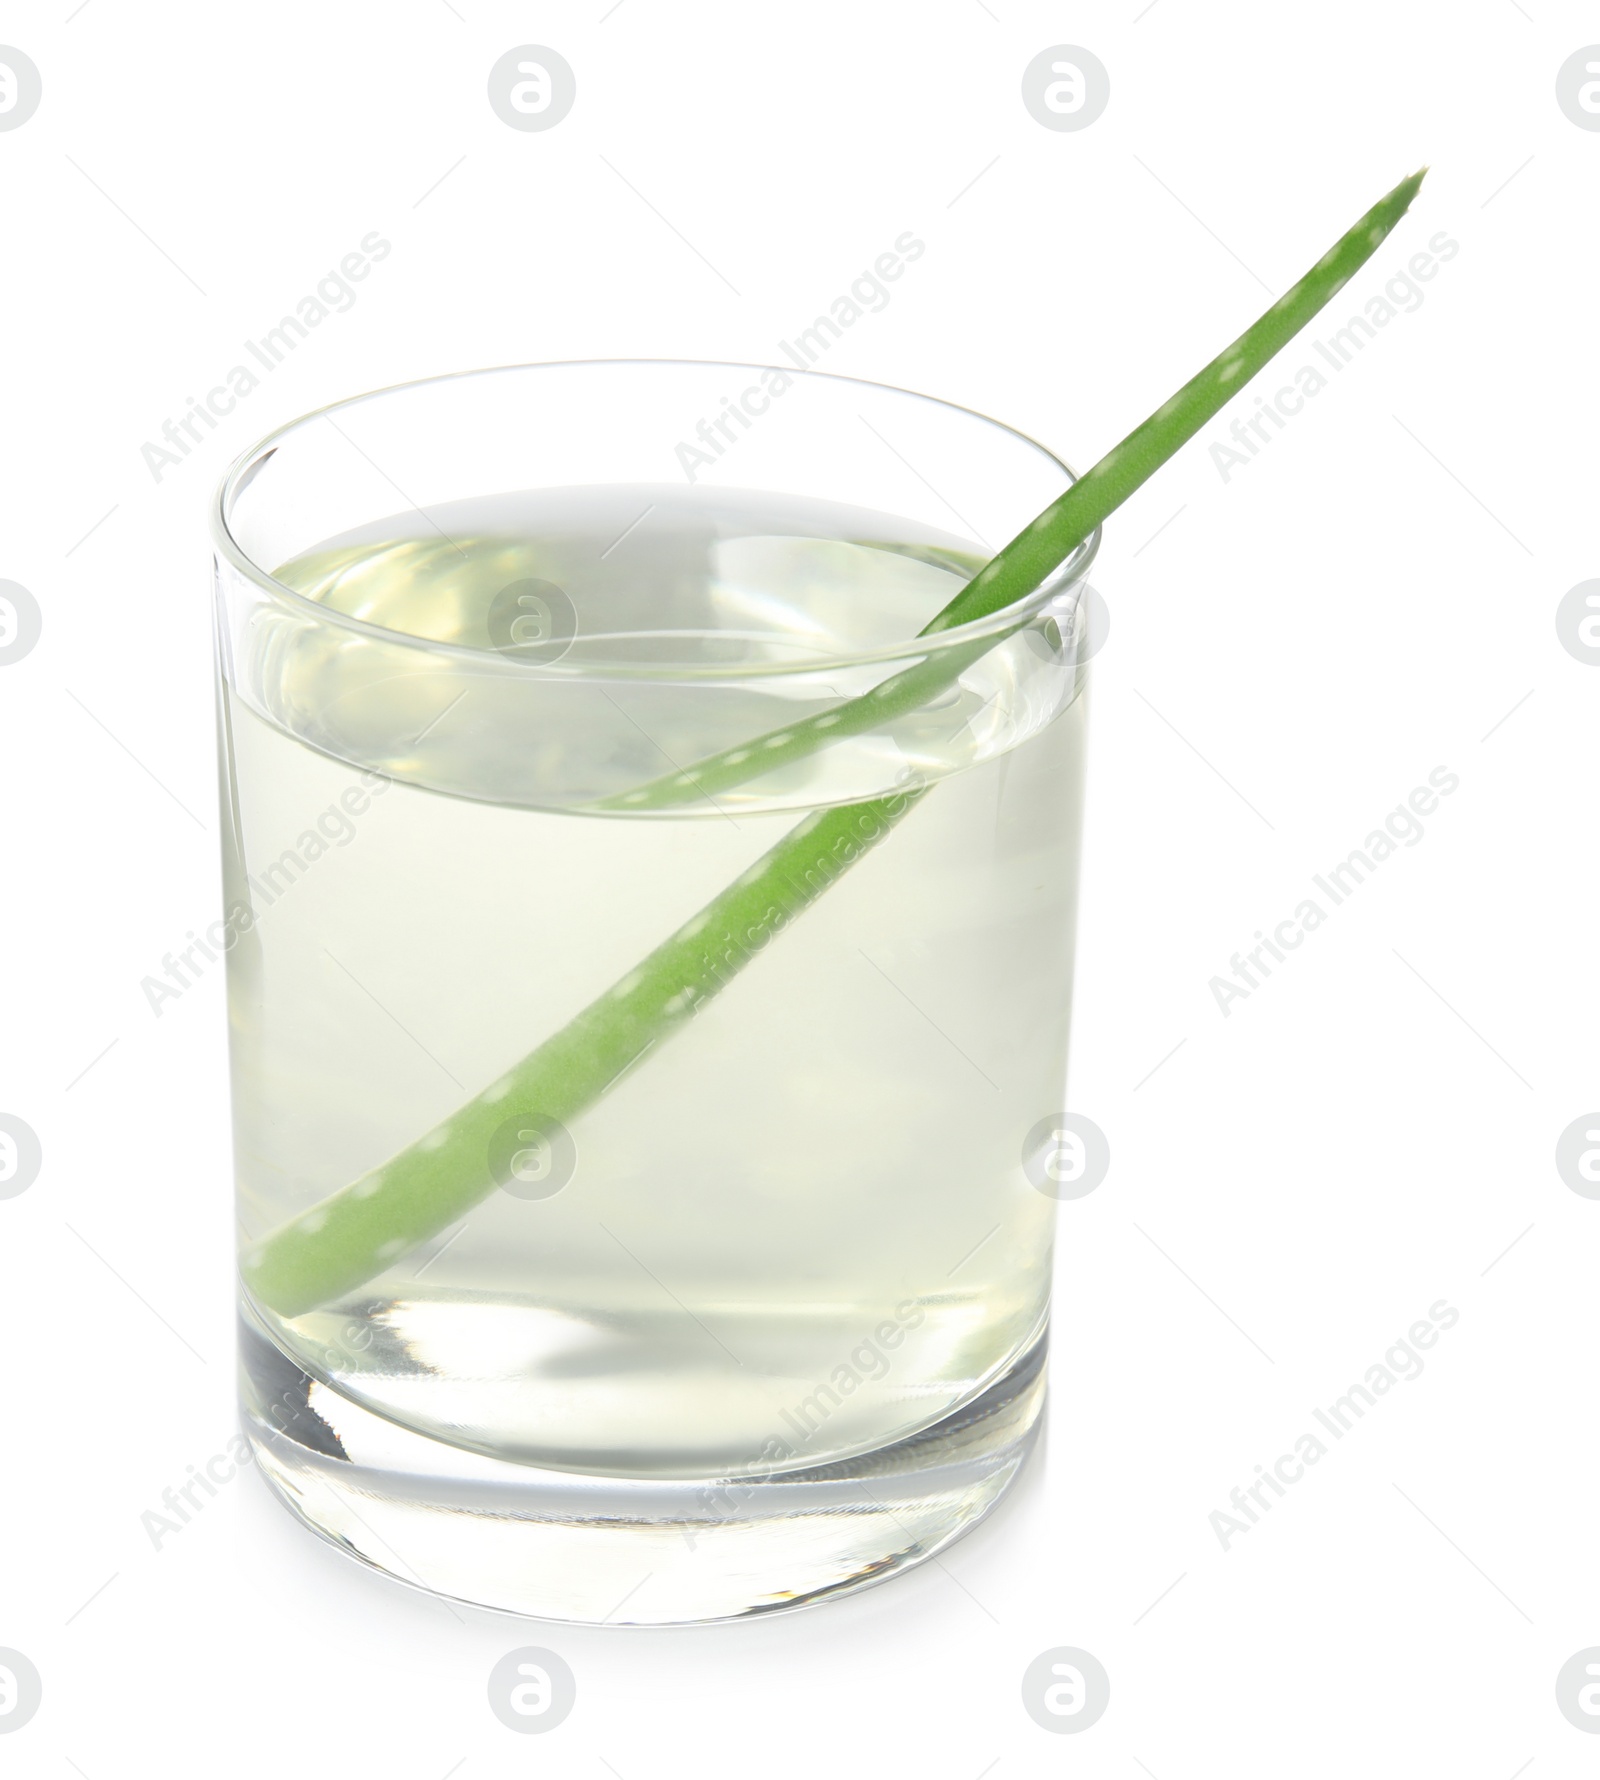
623, 1551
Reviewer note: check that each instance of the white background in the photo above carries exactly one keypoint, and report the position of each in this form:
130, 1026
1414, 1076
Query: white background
1299, 646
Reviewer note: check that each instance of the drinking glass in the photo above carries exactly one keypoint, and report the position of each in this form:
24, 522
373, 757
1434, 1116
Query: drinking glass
649, 963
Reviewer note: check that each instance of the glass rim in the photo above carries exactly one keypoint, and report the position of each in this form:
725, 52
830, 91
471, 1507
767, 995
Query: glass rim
1009, 618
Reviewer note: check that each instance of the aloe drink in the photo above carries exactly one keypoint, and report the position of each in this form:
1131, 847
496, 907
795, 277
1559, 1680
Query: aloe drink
801, 1230
734, 826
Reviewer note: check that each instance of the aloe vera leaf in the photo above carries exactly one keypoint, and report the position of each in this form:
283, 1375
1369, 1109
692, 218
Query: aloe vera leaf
357, 1233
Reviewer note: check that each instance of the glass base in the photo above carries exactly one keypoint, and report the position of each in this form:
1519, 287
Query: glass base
621, 1551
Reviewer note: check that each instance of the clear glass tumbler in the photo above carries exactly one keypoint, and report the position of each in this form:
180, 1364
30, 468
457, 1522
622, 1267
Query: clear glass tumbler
649, 963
